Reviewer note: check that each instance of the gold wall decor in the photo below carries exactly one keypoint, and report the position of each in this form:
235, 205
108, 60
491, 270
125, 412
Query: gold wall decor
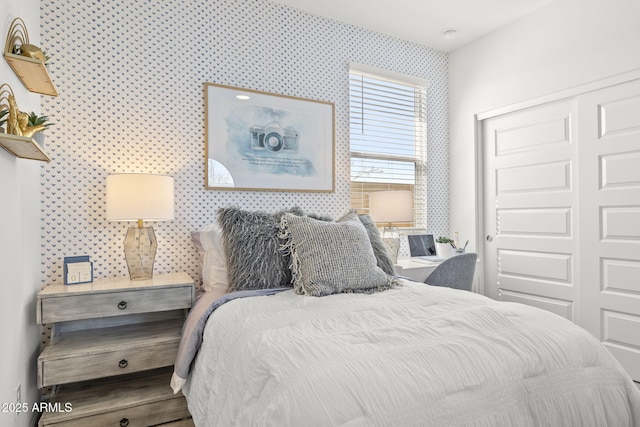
5, 93
18, 137
17, 121
5, 90
29, 65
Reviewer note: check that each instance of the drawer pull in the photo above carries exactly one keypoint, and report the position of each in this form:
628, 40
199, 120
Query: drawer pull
123, 364
122, 305
124, 422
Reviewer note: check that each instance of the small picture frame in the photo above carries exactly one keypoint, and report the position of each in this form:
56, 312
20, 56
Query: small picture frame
77, 270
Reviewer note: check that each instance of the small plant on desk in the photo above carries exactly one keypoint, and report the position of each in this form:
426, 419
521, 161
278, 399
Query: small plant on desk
445, 240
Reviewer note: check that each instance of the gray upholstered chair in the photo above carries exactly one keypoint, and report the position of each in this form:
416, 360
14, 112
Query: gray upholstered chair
455, 272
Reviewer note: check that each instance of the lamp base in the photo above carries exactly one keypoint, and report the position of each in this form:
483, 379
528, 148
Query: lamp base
140, 252
391, 240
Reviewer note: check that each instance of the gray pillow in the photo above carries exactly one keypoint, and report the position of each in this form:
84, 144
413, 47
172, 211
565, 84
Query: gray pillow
332, 257
379, 249
252, 249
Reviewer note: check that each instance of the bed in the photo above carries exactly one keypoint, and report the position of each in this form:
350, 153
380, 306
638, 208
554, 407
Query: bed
397, 353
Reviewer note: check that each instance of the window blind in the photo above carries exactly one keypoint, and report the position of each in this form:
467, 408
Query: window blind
388, 139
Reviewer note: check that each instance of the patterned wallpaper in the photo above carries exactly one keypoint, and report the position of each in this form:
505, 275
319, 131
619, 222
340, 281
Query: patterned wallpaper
131, 76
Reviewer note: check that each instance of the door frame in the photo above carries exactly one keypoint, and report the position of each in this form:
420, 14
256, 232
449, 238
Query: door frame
479, 147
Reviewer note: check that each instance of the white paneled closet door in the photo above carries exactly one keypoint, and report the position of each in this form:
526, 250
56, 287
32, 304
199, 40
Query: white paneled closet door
529, 207
610, 219
562, 212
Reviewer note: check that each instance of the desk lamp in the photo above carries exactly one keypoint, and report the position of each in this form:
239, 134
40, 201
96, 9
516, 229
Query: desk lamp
391, 207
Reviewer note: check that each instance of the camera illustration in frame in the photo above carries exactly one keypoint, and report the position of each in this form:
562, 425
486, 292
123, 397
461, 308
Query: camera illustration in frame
261, 141
273, 138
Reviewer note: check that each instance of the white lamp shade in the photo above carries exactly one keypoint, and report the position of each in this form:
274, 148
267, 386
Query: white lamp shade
391, 206
135, 196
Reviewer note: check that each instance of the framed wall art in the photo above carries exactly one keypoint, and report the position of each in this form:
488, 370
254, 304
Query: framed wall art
267, 142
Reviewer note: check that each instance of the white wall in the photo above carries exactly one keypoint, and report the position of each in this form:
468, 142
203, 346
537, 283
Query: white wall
19, 240
566, 44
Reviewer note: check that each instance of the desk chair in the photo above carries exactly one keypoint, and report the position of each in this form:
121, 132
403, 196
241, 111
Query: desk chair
455, 272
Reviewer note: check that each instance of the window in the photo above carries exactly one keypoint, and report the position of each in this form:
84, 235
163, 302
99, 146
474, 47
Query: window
388, 137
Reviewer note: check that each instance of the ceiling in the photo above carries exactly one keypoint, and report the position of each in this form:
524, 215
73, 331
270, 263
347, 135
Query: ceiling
423, 21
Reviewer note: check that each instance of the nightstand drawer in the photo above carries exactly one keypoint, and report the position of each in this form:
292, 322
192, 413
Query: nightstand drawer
94, 305
137, 416
98, 353
92, 366
138, 399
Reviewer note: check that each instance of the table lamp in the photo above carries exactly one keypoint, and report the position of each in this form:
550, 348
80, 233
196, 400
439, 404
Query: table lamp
139, 197
390, 207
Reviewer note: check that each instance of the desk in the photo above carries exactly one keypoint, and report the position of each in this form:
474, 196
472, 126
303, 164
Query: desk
415, 269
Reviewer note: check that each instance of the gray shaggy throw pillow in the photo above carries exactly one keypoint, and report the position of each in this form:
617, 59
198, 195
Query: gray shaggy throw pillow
379, 249
252, 249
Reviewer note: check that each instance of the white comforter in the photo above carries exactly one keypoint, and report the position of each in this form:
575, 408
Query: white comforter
414, 355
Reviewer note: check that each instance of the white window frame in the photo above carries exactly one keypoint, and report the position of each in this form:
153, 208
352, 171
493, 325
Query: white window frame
419, 159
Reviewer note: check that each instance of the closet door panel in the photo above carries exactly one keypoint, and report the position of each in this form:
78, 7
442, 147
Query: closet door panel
609, 159
562, 212
529, 199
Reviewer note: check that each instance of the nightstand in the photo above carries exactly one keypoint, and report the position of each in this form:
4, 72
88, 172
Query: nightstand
113, 345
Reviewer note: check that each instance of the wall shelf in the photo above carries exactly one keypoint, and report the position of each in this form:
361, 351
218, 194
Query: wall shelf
23, 147
32, 73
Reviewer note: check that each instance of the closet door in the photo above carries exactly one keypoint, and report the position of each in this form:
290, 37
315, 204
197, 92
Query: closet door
610, 219
530, 207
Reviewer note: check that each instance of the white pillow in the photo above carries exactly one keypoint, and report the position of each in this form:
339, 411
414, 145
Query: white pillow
213, 264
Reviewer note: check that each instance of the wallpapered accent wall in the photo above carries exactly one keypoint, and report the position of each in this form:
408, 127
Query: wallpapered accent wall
131, 76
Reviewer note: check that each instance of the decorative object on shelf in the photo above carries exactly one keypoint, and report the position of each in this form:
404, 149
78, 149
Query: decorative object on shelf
391, 207
27, 61
269, 142
19, 122
41, 122
13, 138
31, 51
77, 270
140, 197
13, 125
